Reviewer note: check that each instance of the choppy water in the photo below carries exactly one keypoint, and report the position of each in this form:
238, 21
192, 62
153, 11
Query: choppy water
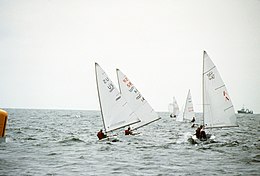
62, 142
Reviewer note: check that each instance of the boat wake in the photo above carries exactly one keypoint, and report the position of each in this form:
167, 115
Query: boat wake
184, 138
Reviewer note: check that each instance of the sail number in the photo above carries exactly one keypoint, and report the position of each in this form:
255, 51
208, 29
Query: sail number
109, 84
211, 75
133, 89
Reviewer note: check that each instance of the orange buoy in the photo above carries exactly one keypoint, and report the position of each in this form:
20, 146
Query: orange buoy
3, 121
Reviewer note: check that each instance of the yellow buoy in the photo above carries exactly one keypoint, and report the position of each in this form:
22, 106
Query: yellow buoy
3, 121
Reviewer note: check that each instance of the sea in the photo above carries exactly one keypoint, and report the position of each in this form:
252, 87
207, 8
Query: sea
64, 142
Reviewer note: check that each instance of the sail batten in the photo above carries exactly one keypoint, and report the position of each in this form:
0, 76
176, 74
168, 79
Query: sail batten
219, 87
136, 101
228, 108
209, 70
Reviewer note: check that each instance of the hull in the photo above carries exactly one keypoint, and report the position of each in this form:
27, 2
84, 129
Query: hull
244, 112
109, 139
194, 140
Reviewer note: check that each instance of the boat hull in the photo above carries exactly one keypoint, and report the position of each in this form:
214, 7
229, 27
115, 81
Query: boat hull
109, 139
194, 140
244, 112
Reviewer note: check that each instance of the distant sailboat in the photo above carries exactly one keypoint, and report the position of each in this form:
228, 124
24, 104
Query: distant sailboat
136, 102
244, 111
115, 111
218, 110
188, 112
174, 108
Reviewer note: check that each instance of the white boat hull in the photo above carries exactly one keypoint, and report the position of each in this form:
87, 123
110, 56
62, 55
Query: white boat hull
110, 139
194, 140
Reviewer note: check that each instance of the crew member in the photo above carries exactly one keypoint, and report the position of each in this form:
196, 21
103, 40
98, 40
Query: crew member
101, 135
128, 131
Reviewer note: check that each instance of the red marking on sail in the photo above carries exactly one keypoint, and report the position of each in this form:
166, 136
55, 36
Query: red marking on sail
226, 95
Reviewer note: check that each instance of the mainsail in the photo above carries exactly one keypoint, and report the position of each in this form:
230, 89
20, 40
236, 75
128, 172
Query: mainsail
115, 111
136, 101
218, 110
188, 112
174, 108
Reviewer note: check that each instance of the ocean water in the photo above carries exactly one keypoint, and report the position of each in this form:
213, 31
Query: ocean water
64, 142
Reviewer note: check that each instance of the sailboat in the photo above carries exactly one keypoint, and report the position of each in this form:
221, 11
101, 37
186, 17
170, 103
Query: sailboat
188, 112
136, 101
218, 110
115, 110
174, 108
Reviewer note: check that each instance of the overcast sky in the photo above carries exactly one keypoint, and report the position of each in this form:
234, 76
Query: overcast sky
48, 49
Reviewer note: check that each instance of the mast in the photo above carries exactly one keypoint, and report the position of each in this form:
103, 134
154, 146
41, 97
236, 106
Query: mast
96, 64
185, 105
203, 108
173, 107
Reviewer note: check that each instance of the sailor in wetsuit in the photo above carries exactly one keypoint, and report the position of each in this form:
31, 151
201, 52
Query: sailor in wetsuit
101, 135
202, 133
128, 131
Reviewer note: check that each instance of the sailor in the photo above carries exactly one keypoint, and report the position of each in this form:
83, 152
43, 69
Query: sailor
193, 120
202, 133
198, 132
101, 135
128, 131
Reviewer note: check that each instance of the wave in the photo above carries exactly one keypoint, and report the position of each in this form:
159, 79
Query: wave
30, 139
73, 139
256, 159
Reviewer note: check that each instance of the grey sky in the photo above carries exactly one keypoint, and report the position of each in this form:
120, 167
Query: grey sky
48, 50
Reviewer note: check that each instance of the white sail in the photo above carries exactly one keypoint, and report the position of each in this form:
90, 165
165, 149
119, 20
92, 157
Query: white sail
136, 101
170, 108
179, 117
176, 109
188, 112
218, 109
115, 111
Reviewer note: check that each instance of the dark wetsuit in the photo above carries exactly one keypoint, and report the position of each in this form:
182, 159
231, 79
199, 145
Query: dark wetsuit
203, 134
198, 133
